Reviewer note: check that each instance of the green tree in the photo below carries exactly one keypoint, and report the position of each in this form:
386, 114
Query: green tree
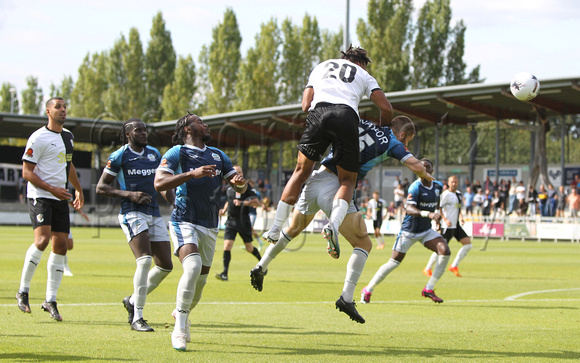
160, 62
455, 68
115, 97
9, 100
429, 51
258, 79
291, 75
202, 79
32, 97
223, 59
87, 96
387, 38
134, 61
331, 44
178, 95
310, 43
64, 90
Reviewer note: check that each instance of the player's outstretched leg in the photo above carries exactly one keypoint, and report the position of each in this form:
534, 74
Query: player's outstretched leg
349, 308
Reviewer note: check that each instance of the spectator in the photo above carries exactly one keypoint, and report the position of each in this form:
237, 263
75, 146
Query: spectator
478, 199
543, 200
552, 200
521, 198
512, 196
561, 197
468, 197
391, 211
487, 203
574, 202
533, 201
477, 186
399, 198
405, 185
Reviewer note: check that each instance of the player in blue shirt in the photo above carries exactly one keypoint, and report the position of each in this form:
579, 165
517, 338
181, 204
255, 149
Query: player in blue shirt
376, 144
195, 171
134, 165
422, 201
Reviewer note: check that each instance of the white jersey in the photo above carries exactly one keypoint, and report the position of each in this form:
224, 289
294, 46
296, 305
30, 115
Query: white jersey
376, 207
51, 152
450, 204
340, 82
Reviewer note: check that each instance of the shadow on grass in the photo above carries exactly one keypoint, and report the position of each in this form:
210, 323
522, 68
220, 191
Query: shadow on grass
238, 328
11, 357
387, 353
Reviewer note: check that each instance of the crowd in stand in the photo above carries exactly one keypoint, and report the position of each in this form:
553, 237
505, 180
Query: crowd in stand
505, 198
512, 197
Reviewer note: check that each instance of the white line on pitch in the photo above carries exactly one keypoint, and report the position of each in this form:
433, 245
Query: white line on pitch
318, 302
513, 297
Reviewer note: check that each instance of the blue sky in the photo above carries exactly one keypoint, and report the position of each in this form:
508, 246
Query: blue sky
50, 39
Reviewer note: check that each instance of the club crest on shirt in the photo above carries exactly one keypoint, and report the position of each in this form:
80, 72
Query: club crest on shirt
151, 157
215, 156
29, 152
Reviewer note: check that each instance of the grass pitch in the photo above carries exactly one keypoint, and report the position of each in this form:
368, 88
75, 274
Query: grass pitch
516, 302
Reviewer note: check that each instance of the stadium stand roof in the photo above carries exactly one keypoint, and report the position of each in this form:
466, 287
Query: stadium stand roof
460, 105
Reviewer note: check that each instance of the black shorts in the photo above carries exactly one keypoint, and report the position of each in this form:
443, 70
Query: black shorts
332, 124
235, 227
49, 212
457, 232
377, 223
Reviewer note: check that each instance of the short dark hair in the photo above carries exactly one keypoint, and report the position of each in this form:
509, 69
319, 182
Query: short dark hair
356, 55
403, 124
427, 160
125, 128
51, 101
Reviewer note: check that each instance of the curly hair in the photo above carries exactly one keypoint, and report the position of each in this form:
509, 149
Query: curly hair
126, 128
179, 134
356, 55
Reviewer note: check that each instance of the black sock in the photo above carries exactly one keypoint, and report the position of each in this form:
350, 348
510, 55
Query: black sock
227, 259
256, 253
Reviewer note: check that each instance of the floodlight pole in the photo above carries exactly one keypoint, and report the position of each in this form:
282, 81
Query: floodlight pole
12, 91
346, 26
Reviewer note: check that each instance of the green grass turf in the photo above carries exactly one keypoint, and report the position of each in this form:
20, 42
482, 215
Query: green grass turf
294, 318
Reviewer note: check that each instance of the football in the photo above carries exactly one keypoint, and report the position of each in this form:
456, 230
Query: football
525, 86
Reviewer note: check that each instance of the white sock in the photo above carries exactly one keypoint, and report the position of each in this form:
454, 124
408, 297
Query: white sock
155, 276
339, 209
199, 285
282, 212
66, 262
354, 268
140, 285
380, 240
31, 261
186, 288
55, 268
438, 271
273, 250
432, 261
383, 271
461, 254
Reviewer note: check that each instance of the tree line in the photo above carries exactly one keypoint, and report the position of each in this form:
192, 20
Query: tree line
130, 80
154, 83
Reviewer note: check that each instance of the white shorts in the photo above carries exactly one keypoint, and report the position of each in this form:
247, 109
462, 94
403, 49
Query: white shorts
406, 239
204, 238
134, 223
318, 194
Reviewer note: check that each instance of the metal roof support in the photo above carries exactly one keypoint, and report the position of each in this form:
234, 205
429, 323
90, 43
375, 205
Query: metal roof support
472, 153
563, 151
436, 151
497, 150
